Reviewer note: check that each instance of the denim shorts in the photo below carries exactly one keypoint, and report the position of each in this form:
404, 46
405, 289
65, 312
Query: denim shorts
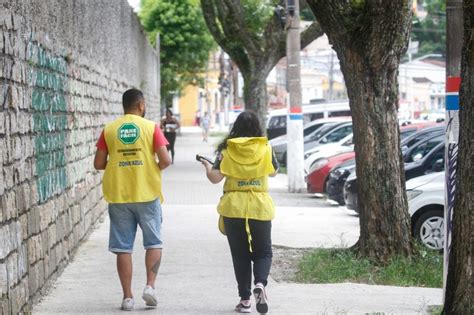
124, 218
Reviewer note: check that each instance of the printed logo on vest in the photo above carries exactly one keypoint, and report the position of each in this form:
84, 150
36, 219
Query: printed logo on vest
128, 133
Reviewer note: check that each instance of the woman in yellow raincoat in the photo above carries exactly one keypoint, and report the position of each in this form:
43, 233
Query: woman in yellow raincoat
245, 160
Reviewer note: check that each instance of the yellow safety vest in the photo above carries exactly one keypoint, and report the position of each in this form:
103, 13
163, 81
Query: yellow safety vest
246, 164
246, 198
132, 173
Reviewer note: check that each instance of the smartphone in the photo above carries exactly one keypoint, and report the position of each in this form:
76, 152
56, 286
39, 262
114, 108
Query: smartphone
199, 158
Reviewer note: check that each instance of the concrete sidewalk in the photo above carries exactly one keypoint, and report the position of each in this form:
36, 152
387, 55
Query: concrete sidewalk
196, 275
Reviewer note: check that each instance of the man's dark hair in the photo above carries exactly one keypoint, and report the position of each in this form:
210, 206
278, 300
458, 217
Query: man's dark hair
131, 98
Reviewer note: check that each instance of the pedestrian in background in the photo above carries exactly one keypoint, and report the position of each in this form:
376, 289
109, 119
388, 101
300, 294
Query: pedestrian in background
169, 125
127, 150
205, 124
197, 119
245, 160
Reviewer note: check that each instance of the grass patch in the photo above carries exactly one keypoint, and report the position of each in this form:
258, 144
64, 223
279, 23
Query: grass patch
425, 269
435, 310
282, 170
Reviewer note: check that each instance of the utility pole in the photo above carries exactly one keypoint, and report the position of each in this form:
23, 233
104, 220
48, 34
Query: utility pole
331, 77
454, 42
294, 124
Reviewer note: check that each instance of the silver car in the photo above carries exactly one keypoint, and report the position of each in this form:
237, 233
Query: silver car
311, 131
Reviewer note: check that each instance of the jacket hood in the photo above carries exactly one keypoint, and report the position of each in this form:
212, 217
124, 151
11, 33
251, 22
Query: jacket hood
247, 157
246, 150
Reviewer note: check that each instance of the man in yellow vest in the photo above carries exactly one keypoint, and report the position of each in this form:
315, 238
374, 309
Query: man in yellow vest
127, 151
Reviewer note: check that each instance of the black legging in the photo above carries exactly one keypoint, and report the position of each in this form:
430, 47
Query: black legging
171, 137
242, 257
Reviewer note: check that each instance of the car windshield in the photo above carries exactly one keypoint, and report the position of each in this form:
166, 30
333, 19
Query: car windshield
338, 134
406, 133
319, 133
437, 157
415, 138
420, 151
277, 122
309, 129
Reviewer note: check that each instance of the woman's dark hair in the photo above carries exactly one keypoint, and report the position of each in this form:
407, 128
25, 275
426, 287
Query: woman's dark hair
168, 111
246, 125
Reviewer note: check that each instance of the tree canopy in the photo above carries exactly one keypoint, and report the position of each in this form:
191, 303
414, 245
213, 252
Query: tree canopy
185, 42
252, 33
430, 31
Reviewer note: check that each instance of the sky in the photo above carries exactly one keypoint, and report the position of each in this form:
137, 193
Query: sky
134, 4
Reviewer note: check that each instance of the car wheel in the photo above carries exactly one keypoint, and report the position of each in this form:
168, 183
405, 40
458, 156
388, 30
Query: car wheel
429, 229
325, 185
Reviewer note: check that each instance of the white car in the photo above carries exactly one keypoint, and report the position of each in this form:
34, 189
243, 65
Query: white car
426, 207
327, 150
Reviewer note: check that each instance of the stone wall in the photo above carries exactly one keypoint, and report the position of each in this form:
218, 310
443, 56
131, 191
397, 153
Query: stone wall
64, 65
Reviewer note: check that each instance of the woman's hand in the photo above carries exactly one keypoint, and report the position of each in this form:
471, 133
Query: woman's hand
206, 164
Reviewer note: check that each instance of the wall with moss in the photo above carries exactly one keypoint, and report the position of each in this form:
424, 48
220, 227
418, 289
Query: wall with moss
64, 65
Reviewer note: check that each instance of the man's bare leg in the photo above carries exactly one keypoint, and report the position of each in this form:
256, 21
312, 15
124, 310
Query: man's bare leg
124, 268
152, 262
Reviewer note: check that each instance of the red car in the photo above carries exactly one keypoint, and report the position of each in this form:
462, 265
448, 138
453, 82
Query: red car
318, 173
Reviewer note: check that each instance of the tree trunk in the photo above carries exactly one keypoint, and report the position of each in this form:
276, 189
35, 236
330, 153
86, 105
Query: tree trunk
255, 94
459, 293
384, 220
370, 38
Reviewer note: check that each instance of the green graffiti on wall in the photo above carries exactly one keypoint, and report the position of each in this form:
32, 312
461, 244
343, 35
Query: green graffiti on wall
48, 76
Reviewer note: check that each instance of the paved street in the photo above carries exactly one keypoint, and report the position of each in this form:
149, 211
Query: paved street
196, 275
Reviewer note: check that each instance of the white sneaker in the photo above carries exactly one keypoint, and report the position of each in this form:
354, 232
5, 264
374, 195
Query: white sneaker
261, 302
243, 307
149, 296
127, 304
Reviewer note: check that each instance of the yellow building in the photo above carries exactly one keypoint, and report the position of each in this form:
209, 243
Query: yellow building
188, 105
194, 99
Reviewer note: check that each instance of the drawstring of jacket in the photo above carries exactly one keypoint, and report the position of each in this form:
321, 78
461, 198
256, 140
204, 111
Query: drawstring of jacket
247, 225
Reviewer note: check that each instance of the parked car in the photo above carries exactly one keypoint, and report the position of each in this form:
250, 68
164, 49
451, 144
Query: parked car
279, 144
421, 135
276, 122
280, 149
414, 147
423, 147
432, 162
326, 150
406, 130
425, 196
419, 123
332, 136
339, 175
318, 173
336, 179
